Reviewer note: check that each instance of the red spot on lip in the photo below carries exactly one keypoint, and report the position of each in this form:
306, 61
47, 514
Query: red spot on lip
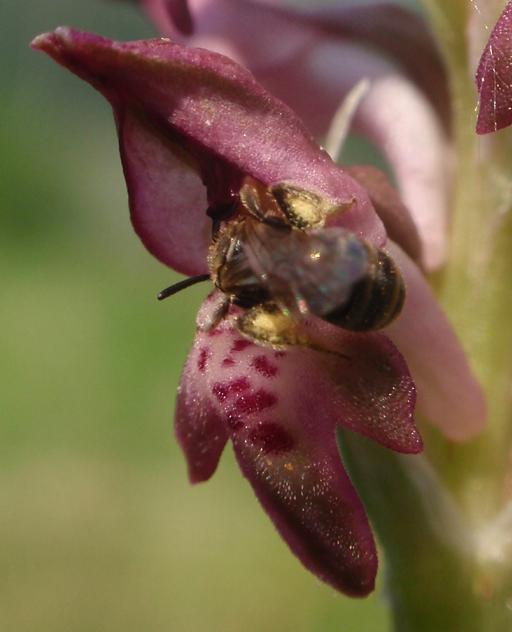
254, 402
234, 421
272, 438
262, 364
228, 362
241, 344
222, 390
214, 332
201, 360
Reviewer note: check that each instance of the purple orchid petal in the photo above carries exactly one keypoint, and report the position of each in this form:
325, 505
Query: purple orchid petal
494, 77
394, 30
309, 497
448, 393
405, 121
155, 176
216, 111
200, 430
281, 409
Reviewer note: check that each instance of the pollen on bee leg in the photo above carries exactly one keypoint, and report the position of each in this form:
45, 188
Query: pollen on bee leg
268, 325
303, 208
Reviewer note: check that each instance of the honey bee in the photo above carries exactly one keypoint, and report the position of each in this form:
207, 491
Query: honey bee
264, 259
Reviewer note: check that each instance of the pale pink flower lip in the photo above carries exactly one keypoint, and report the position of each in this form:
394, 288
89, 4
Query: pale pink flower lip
192, 125
494, 77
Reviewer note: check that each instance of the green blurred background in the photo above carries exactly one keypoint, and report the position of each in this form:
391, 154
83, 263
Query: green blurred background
99, 527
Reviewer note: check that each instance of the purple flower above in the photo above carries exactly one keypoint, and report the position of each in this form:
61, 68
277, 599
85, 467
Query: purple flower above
494, 77
194, 127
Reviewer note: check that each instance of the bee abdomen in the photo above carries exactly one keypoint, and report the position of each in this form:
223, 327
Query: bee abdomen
376, 300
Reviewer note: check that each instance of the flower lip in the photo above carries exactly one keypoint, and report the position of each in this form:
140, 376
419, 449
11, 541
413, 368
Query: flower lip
264, 399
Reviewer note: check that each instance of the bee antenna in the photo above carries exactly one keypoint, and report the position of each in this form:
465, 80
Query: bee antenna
181, 285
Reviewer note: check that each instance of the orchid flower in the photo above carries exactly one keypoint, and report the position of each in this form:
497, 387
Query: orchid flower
195, 129
190, 128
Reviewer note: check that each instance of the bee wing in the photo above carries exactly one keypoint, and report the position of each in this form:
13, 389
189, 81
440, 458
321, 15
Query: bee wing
306, 272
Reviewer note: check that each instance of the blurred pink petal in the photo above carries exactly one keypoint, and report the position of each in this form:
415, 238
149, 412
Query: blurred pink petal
494, 77
400, 120
390, 28
448, 393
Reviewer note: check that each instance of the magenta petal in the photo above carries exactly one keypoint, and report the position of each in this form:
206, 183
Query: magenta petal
448, 393
305, 490
494, 77
216, 110
363, 384
200, 430
162, 187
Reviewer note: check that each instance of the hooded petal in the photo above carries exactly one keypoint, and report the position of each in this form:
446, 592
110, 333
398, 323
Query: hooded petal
303, 56
281, 409
448, 393
215, 111
494, 77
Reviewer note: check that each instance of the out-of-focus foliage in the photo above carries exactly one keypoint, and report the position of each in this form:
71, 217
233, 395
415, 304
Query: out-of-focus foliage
100, 529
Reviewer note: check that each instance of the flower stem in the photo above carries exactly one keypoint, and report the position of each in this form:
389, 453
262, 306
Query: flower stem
430, 565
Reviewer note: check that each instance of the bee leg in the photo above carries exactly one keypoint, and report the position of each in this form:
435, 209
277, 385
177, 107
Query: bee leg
306, 209
209, 318
268, 325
